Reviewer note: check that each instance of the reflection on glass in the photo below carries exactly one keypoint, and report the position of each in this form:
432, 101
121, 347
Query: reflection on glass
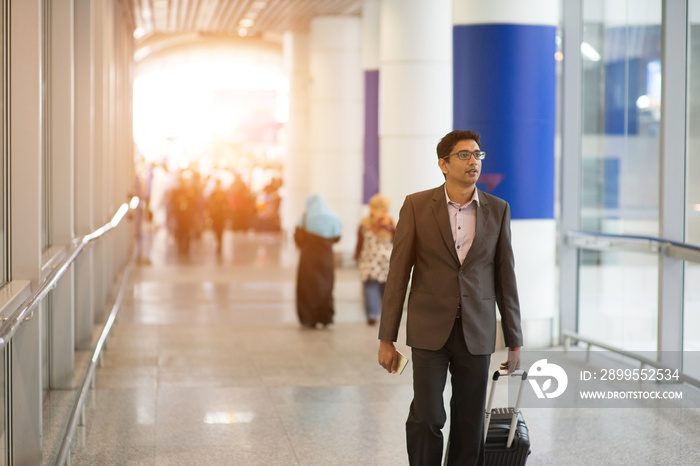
691, 308
621, 102
618, 296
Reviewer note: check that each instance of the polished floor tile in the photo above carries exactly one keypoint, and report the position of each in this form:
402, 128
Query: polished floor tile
207, 365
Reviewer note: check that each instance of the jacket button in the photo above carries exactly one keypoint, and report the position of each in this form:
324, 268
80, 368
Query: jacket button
456, 295
461, 272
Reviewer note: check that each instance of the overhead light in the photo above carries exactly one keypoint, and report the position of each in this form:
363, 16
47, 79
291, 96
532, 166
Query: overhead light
246, 23
139, 33
589, 52
242, 32
259, 5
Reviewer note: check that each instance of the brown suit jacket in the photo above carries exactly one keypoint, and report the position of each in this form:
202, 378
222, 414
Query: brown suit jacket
424, 244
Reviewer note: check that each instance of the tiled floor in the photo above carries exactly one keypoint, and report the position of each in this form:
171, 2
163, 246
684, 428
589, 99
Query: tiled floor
208, 366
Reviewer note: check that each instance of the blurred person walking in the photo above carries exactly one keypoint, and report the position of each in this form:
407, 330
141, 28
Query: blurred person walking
317, 230
181, 213
242, 204
375, 237
218, 212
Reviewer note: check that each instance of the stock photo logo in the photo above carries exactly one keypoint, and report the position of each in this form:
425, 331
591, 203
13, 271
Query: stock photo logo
548, 371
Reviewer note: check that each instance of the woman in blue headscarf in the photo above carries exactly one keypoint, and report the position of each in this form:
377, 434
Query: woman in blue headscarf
318, 228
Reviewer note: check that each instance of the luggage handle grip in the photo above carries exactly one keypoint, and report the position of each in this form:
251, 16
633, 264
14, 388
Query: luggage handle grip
516, 410
517, 373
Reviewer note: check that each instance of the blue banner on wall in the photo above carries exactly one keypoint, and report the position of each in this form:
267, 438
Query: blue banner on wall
505, 89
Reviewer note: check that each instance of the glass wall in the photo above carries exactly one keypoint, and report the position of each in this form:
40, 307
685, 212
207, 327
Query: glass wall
619, 167
691, 308
618, 299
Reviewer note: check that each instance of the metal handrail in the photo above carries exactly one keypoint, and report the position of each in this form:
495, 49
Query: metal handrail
634, 243
643, 361
25, 311
64, 452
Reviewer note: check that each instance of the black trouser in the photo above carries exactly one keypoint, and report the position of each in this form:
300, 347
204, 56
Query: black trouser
427, 415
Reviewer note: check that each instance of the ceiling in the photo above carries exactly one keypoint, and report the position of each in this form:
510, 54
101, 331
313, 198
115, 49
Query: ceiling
243, 18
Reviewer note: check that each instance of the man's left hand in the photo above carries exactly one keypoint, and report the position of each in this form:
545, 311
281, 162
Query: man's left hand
513, 362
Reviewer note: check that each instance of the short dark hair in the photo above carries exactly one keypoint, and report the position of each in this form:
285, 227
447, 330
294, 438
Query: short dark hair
450, 140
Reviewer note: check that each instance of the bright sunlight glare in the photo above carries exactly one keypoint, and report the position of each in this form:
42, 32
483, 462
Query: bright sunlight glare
183, 110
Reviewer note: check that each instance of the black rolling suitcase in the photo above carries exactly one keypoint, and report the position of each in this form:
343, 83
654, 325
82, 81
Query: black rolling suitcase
507, 442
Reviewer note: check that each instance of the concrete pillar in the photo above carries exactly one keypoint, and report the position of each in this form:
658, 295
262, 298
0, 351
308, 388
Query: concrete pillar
84, 170
296, 168
335, 106
370, 67
505, 88
415, 94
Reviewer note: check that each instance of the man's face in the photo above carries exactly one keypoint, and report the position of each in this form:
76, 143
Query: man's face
463, 172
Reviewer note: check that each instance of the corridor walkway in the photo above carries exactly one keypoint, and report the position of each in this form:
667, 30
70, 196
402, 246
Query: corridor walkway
208, 366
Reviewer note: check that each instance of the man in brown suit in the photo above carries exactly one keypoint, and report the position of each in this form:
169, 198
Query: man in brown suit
456, 240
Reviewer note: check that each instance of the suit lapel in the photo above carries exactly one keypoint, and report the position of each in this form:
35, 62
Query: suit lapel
443, 220
482, 214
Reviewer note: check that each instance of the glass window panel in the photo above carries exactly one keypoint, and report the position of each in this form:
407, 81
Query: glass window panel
621, 101
620, 160
618, 298
691, 307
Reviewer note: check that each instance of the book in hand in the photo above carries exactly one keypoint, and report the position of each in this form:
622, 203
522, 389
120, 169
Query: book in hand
403, 360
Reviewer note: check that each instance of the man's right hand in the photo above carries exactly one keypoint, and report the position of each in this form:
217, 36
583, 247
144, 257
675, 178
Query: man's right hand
388, 357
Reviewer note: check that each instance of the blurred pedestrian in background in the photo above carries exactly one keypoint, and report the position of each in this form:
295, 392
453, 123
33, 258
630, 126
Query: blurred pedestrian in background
218, 212
316, 232
375, 237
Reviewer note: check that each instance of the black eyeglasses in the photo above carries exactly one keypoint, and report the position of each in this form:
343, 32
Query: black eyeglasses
465, 154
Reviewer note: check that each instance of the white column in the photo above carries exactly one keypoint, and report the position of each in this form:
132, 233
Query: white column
415, 94
108, 150
126, 179
25, 223
335, 100
100, 159
62, 192
296, 167
84, 170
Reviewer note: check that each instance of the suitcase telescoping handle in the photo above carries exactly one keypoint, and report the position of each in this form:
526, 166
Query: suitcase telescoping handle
516, 410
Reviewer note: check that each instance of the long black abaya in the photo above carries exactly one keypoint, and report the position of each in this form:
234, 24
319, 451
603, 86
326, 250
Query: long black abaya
315, 280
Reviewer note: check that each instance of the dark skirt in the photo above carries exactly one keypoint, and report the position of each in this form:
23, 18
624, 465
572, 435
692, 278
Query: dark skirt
315, 278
